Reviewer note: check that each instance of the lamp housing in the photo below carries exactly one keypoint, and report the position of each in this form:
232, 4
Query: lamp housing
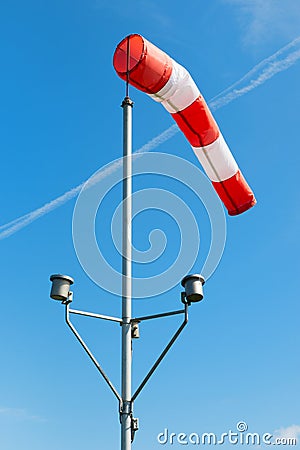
193, 286
60, 289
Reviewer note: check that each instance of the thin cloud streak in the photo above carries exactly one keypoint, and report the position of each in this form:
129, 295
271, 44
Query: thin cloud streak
264, 71
260, 66
20, 414
292, 432
267, 68
261, 21
21, 222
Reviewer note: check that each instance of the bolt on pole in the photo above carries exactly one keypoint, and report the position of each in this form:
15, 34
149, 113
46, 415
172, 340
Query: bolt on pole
126, 413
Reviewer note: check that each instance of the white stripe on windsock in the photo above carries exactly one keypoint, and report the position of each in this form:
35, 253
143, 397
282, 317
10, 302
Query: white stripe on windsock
217, 160
179, 92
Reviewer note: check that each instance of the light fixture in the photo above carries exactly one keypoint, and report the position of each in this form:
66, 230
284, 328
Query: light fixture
193, 286
60, 289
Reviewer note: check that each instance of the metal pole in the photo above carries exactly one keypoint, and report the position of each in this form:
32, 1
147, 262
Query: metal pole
126, 413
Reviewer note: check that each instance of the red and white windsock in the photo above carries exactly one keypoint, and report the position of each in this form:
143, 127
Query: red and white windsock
151, 70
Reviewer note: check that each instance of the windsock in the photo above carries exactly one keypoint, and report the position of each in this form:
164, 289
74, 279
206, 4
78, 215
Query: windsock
151, 70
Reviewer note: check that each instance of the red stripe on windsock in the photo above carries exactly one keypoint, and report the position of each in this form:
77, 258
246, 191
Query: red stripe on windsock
235, 194
197, 123
149, 67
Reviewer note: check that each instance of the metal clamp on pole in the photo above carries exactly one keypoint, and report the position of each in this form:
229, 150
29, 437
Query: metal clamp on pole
134, 427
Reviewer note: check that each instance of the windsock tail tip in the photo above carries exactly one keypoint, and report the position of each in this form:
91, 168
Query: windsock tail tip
243, 208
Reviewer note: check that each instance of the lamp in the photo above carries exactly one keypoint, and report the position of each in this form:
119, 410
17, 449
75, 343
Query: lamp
60, 289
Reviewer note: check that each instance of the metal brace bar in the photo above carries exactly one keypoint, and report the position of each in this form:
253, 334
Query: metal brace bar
156, 316
163, 354
97, 316
90, 354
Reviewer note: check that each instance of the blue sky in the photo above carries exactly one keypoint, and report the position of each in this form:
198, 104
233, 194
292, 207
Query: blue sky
61, 121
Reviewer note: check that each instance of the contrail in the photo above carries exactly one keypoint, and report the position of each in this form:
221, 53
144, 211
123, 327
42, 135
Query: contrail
266, 68
263, 71
21, 222
260, 67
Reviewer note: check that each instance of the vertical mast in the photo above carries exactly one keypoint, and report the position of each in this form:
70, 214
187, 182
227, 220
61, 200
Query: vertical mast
126, 269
